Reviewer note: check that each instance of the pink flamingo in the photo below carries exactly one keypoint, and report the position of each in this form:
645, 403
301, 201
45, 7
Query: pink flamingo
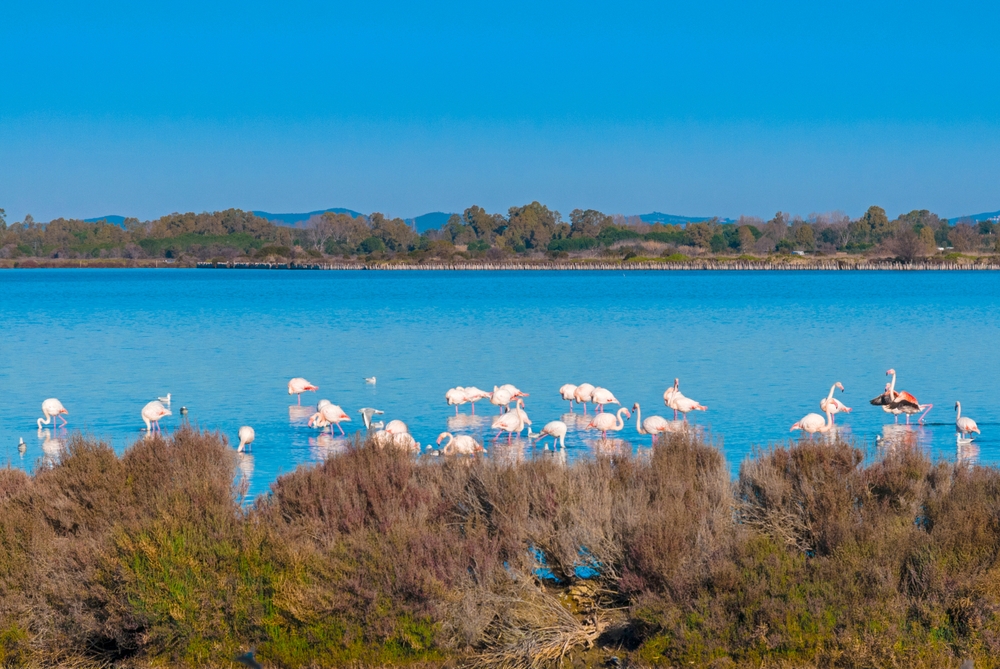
583, 394
835, 406
602, 396
813, 423
456, 397
606, 421
247, 435
963, 424
555, 429
678, 402
668, 396
908, 404
462, 444
473, 395
502, 398
510, 422
298, 385
52, 408
329, 415
567, 391
653, 425
152, 413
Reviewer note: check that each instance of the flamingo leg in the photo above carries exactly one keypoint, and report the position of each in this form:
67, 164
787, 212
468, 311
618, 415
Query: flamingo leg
510, 435
456, 409
924, 414
473, 408
675, 414
342, 433
299, 397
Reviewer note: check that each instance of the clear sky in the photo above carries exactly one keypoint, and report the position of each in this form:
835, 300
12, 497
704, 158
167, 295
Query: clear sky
695, 108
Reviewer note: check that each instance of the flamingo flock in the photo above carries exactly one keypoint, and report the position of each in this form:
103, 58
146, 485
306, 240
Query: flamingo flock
513, 418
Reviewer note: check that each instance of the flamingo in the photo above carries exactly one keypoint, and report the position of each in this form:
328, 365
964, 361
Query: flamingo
908, 404
583, 394
462, 444
606, 421
52, 408
964, 425
327, 415
152, 413
813, 423
247, 436
678, 402
456, 397
555, 429
501, 397
512, 389
885, 401
401, 440
602, 396
473, 395
567, 391
298, 385
510, 422
654, 425
669, 393
834, 405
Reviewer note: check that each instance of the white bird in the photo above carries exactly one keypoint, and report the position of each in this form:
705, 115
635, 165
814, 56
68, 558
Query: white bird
402, 440
835, 405
510, 422
813, 423
366, 416
512, 389
462, 444
397, 427
602, 396
52, 408
676, 400
607, 421
582, 394
964, 424
555, 429
653, 425
370, 379
298, 385
247, 435
165, 400
456, 397
152, 413
22, 447
566, 391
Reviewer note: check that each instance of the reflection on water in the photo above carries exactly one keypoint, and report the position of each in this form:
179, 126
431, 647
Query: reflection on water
324, 444
244, 462
469, 423
967, 451
900, 435
516, 451
300, 414
52, 448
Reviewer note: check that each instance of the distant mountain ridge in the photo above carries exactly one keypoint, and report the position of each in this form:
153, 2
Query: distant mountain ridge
295, 219
987, 216
116, 220
673, 219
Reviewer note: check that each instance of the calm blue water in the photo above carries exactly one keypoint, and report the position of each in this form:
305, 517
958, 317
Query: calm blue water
760, 349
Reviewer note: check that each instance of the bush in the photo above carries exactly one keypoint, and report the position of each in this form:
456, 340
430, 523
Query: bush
572, 244
371, 245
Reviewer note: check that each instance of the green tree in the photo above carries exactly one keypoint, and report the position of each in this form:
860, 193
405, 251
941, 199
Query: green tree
805, 238
875, 224
747, 238
701, 234
394, 232
588, 223
3, 220
486, 226
530, 226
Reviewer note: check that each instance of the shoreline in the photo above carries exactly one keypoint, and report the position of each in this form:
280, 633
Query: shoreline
653, 265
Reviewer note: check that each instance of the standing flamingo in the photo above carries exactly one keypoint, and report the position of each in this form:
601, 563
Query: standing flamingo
52, 408
602, 396
152, 413
456, 397
247, 436
813, 423
555, 429
583, 394
473, 395
885, 400
510, 422
835, 406
462, 444
669, 393
567, 391
906, 402
606, 421
964, 425
513, 390
298, 385
654, 425
678, 402
501, 398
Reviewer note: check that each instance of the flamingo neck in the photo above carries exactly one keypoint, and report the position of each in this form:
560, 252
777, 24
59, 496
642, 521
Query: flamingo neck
958, 408
621, 421
892, 386
830, 396
638, 419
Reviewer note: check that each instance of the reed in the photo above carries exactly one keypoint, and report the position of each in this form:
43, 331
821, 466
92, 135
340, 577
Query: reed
813, 556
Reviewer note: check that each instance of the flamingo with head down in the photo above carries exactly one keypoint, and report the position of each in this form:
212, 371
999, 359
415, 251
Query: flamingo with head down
152, 413
567, 392
456, 397
328, 415
52, 408
583, 394
813, 423
473, 395
247, 435
501, 398
555, 429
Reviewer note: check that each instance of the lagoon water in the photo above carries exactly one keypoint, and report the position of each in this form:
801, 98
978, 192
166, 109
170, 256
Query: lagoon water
760, 349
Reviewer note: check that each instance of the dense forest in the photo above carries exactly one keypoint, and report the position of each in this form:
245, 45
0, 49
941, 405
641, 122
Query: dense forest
532, 230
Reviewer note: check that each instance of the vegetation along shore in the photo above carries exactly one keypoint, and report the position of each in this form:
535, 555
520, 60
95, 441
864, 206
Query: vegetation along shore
813, 556
525, 237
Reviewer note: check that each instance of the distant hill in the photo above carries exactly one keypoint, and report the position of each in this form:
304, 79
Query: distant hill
116, 220
987, 216
295, 219
431, 221
657, 217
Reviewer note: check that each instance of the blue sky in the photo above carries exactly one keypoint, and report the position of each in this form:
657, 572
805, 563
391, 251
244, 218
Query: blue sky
692, 108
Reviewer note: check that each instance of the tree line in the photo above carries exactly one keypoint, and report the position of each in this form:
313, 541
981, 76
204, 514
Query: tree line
529, 230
